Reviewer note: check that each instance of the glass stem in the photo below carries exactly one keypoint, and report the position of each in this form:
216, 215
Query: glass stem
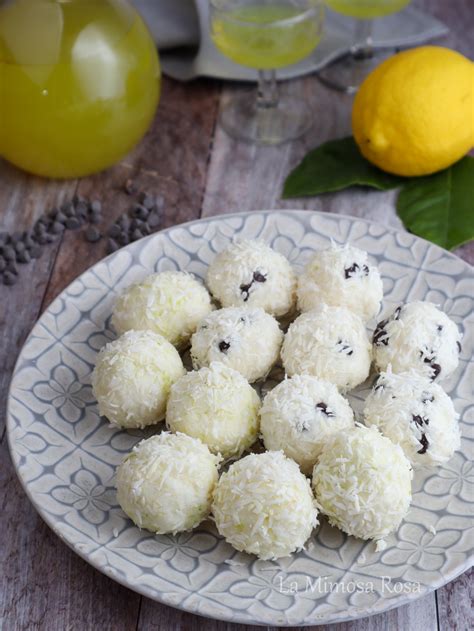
267, 89
363, 47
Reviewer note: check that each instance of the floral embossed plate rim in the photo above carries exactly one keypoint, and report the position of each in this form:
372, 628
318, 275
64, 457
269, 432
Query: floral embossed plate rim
65, 454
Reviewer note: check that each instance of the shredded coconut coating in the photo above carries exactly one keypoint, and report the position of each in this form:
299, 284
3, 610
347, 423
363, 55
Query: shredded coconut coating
216, 405
263, 505
252, 273
341, 276
330, 343
418, 336
165, 484
299, 415
417, 415
244, 338
170, 303
362, 483
132, 378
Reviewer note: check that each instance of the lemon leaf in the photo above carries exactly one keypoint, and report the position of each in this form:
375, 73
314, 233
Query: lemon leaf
439, 207
335, 165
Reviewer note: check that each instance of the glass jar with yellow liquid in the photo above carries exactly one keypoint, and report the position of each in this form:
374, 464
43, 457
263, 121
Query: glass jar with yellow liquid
266, 35
79, 84
349, 71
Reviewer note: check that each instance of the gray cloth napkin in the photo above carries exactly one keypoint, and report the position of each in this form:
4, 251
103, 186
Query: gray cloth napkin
181, 30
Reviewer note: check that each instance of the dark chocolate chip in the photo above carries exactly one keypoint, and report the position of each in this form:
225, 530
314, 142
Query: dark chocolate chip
124, 222
95, 218
92, 234
427, 397
154, 219
136, 234
20, 247
123, 238
57, 227
396, 313
3, 238
96, 206
9, 278
324, 409
147, 200
424, 444
245, 289
43, 238
82, 208
224, 346
69, 209
73, 223
12, 268
458, 344
15, 237
36, 251
29, 241
114, 231
380, 334
439, 328
344, 347
23, 257
2, 264
61, 217
112, 246
140, 212
8, 253
420, 420
351, 271
365, 269
259, 278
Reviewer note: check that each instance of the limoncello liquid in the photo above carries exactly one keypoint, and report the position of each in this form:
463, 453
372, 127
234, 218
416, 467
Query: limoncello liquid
79, 84
255, 35
367, 9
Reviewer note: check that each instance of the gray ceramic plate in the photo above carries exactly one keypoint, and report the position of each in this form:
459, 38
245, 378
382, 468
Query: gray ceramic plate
66, 455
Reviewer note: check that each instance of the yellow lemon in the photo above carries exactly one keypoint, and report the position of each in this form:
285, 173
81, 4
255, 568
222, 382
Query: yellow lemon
414, 114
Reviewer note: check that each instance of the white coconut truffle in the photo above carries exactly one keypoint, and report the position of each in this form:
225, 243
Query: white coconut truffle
330, 343
263, 505
299, 415
170, 303
419, 337
362, 483
244, 338
341, 276
166, 483
216, 405
251, 273
417, 415
132, 378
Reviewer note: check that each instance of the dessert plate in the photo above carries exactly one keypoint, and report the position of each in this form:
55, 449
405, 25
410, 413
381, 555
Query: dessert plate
66, 455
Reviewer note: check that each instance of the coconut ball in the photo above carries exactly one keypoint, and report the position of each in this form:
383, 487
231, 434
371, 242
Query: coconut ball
132, 378
166, 483
244, 338
263, 505
216, 405
341, 276
417, 415
420, 337
362, 483
330, 343
251, 273
170, 303
299, 414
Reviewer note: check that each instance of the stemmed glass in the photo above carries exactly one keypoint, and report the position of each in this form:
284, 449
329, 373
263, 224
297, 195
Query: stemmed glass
346, 73
266, 35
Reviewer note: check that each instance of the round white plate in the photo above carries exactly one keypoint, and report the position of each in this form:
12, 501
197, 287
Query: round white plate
66, 455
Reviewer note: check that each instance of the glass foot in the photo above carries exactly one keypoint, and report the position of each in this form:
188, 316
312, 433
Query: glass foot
287, 119
346, 73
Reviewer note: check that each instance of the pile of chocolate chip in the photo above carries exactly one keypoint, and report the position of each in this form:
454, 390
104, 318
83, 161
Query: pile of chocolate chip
20, 248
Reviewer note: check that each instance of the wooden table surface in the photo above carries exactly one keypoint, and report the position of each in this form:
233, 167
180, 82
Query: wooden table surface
199, 171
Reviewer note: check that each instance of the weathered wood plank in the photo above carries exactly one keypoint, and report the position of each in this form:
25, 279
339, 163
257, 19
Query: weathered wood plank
456, 604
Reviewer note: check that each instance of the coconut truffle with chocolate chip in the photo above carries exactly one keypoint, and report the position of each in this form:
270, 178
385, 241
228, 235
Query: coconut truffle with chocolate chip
341, 276
132, 378
251, 273
362, 483
419, 337
299, 415
216, 405
330, 343
169, 303
417, 415
166, 483
243, 338
263, 505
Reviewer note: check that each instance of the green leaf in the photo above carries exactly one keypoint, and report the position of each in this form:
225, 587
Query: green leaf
335, 165
440, 207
